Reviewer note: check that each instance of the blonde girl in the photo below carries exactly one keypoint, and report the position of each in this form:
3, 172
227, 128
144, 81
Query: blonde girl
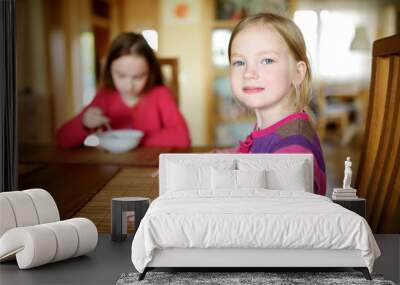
270, 74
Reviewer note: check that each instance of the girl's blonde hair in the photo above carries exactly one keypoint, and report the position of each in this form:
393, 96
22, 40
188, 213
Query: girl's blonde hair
294, 40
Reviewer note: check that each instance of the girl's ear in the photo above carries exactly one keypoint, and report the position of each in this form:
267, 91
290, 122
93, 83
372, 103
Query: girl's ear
300, 72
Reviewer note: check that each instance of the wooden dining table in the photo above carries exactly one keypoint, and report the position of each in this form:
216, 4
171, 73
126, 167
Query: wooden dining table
83, 180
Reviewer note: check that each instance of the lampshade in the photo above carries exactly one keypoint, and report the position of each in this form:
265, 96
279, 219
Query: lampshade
360, 40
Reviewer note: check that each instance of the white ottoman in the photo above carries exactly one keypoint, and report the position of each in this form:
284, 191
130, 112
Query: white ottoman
31, 232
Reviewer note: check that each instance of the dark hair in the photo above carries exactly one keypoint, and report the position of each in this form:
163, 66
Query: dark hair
135, 44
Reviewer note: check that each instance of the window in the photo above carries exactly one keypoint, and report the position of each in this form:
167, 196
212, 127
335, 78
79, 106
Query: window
328, 35
88, 67
219, 41
151, 37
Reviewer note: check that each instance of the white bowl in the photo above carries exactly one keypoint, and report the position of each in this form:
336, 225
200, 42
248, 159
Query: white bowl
118, 141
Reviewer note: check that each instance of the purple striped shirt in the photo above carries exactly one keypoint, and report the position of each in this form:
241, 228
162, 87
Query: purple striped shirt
293, 134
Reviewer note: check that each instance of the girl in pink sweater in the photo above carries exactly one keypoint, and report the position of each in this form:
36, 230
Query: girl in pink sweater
132, 97
270, 74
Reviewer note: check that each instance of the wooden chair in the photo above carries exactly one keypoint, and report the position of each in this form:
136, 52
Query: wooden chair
169, 68
378, 177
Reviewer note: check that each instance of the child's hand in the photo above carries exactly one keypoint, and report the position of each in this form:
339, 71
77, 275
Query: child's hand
94, 118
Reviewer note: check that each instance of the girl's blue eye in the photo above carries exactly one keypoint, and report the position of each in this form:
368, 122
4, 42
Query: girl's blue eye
267, 61
238, 63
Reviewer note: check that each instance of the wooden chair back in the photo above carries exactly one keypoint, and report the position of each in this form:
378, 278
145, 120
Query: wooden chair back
169, 68
378, 177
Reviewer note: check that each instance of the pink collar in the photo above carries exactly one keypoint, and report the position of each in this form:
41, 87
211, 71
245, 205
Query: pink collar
245, 145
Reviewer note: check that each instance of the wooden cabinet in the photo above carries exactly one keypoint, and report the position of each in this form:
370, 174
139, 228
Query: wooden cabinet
105, 25
101, 23
35, 121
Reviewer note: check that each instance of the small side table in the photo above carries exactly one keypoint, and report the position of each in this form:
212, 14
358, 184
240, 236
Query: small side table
123, 207
357, 205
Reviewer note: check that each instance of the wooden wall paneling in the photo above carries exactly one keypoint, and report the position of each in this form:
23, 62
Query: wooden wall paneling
390, 220
116, 18
139, 15
35, 119
50, 95
390, 216
102, 40
385, 159
376, 111
67, 23
60, 66
79, 28
376, 108
360, 184
22, 48
378, 177
35, 123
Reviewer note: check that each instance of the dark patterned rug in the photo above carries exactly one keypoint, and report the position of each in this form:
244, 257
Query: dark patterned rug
229, 278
